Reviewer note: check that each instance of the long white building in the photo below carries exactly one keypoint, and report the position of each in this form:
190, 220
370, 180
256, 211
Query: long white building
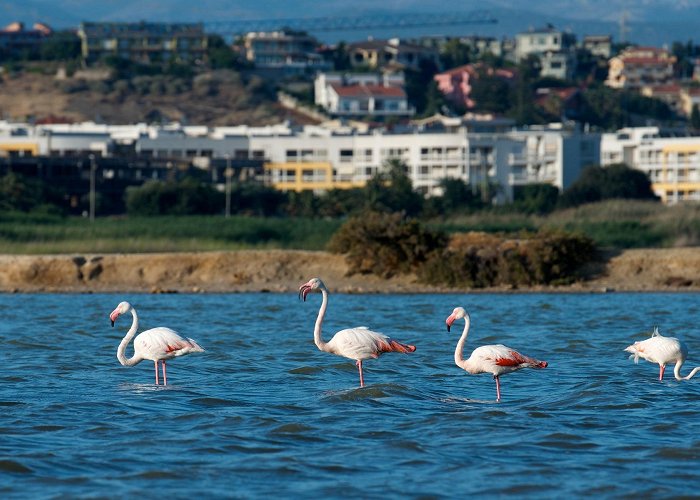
320, 158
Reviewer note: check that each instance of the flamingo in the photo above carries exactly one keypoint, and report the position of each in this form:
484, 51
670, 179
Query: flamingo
662, 350
494, 359
357, 343
156, 344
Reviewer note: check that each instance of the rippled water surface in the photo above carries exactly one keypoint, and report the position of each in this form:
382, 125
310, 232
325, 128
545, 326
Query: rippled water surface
262, 412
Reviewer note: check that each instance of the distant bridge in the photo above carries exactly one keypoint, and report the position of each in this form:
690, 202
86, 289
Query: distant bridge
349, 23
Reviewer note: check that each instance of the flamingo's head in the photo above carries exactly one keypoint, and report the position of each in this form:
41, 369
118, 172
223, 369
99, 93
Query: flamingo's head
123, 307
457, 313
313, 285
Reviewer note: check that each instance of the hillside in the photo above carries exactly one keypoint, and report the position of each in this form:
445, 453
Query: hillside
213, 99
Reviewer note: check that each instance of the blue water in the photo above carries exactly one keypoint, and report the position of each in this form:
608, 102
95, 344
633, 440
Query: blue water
264, 413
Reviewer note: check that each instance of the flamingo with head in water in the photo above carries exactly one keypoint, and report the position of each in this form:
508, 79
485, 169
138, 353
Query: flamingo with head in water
157, 344
662, 350
357, 343
494, 359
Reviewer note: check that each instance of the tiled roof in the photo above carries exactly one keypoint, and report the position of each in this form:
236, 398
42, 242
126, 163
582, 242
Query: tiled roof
368, 91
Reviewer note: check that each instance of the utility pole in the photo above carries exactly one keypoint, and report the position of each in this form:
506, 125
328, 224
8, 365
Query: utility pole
92, 188
228, 173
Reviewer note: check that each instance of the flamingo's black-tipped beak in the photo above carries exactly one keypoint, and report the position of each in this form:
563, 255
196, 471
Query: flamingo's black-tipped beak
304, 291
448, 327
112, 323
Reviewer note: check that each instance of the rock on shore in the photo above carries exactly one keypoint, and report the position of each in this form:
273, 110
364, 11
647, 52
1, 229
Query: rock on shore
285, 270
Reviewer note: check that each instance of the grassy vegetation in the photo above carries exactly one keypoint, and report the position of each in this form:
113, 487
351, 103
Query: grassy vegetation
615, 223
618, 224
28, 234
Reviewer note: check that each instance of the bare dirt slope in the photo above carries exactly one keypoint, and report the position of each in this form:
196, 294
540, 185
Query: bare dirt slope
213, 99
284, 271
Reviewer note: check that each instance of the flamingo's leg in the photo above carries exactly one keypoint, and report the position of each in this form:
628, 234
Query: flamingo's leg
662, 368
165, 378
156, 364
498, 388
359, 367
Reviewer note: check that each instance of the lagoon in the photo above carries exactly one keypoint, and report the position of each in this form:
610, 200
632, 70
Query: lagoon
263, 412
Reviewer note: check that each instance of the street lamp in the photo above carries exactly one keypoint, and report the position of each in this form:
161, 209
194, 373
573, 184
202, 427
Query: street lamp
92, 188
228, 173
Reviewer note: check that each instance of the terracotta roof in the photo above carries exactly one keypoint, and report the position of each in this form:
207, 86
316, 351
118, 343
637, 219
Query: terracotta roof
368, 91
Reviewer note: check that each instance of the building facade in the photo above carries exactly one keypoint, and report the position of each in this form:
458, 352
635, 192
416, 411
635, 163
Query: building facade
555, 49
637, 67
143, 42
671, 163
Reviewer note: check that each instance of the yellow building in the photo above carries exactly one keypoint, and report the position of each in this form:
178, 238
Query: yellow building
680, 173
306, 176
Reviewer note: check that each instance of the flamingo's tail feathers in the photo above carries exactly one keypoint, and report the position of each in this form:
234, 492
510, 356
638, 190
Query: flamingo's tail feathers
634, 353
392, 345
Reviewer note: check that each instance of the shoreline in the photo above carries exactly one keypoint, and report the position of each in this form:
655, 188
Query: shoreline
636, 270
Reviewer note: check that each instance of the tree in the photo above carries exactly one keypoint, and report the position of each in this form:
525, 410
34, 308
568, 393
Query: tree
417, 81
695, 118
536, 198
600, 183
186, 197
61, 46
491, 93
392, 190
455, 54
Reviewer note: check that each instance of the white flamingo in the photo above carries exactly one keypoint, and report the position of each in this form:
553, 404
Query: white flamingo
156, 344
494, 359
357, 343
662, 350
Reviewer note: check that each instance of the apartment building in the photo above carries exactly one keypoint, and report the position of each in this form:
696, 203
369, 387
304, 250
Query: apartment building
143, 42
284, 50
637, 67
671, 162
17, 41
556, 50
393, 54
318, 158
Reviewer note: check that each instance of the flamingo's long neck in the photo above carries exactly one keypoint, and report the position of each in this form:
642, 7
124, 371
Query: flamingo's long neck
677, 371
319, 321
121, 350
459, 350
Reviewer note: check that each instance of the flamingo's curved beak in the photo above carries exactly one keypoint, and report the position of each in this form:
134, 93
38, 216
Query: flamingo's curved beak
304, 291
449, 322
114, 316
112, 323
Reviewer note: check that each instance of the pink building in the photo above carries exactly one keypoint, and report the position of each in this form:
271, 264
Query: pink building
456, 84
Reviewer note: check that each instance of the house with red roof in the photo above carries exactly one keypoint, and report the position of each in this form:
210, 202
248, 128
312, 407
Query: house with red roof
362, 95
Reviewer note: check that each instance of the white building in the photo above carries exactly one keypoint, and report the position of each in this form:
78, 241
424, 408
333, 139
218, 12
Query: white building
320, 158
362, 94
671, 163
555, 49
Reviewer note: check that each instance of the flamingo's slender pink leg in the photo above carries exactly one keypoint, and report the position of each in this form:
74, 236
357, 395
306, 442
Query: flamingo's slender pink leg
359, 367
156, 364
662, 369
498, 388
165, 378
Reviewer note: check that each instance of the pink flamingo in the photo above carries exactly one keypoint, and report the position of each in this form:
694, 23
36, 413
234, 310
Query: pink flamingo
494, 359
357, 343
662, 350
156, 344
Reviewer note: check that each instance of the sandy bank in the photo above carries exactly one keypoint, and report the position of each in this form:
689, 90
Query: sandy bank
284, 271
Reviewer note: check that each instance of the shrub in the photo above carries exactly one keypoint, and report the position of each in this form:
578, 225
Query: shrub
478, 260
385, 244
